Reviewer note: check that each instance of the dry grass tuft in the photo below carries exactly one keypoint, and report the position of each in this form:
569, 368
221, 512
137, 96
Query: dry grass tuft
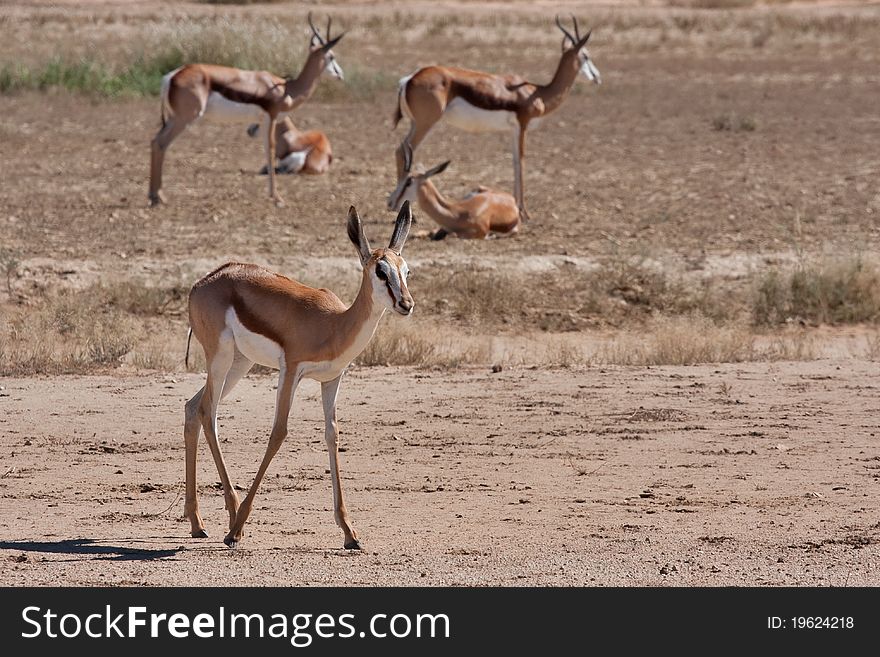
396, 343
86, 330
833, 292
680, 341
695, 340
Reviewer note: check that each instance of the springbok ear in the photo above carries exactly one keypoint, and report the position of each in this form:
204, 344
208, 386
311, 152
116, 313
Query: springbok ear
356, 235
401, 229
332, 42
440, 168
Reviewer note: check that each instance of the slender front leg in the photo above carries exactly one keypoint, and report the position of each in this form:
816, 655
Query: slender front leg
519, 152
329, 390
287, 383
270, 154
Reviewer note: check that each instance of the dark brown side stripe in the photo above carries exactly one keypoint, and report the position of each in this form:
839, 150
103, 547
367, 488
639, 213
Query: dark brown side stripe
239, 96
252, 322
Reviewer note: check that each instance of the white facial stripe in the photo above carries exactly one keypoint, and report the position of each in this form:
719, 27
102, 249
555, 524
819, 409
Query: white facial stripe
335, 68
589, 70
390, 289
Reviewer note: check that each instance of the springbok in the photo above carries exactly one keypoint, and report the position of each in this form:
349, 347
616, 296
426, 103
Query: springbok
222, 93
244, 314
298, 152
483, 102
482, 212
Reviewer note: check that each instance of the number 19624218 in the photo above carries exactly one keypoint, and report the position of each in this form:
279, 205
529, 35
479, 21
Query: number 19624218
811, 623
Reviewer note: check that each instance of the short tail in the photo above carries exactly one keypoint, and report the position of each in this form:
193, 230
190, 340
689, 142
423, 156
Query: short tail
401, 99
165, 112
188, 340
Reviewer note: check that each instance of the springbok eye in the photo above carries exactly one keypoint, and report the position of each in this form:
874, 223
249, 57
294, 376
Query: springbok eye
380, 274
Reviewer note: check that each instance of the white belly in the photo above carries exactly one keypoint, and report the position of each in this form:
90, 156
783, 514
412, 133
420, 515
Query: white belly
254, 346
294, 161
470, 118
221, 109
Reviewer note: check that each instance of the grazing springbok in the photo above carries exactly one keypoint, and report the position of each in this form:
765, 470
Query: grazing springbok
483, 102
222, 93
245, 314
298, 152
482, 212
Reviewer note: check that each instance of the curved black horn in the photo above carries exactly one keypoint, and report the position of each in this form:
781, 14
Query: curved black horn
564, 31
329, 22
314, 29
577, 32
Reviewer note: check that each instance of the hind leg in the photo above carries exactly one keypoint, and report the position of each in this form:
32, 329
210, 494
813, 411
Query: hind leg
220, 366
191, 429
167, 134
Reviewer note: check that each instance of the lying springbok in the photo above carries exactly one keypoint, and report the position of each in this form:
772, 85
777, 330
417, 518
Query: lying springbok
483, 102
222, 93
298, 152
482, 212
245, 314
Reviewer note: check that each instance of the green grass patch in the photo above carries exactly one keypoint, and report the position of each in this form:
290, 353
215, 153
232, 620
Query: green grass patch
142, 77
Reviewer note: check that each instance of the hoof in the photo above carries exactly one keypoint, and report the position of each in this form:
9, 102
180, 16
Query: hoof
156, 200
279, 203
353, 544
199, 533
439, 235
230, 541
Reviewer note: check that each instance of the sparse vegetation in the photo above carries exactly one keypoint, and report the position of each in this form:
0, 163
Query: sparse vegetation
267, 45
729, 122
423, 345
833, 292
85, 330
695, 340
658, 320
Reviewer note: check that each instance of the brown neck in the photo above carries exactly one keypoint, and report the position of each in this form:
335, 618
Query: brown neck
304, 84
433, 202
353, 328
557, 90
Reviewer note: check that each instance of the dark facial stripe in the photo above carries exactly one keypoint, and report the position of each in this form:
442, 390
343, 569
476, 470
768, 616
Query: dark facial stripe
390, 292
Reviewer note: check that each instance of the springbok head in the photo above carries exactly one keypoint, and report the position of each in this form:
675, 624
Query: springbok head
578, 45
408, 187
386, 268
324, 45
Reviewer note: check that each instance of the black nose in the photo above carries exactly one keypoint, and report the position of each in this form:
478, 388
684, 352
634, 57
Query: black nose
405, 305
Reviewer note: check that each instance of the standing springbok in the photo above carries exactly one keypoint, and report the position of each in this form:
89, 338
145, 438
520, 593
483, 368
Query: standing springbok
222, 93
482, 212
482, 102
245, 314
298, 152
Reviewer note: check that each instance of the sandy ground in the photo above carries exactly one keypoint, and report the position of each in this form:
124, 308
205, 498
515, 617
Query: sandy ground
714, 475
